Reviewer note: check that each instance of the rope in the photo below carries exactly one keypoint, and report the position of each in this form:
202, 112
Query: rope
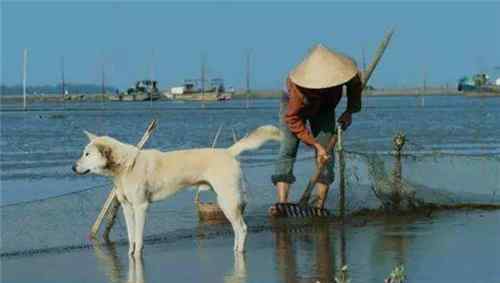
55, 197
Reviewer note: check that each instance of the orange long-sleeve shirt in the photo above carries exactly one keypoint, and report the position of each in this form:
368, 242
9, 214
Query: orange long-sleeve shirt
299, 110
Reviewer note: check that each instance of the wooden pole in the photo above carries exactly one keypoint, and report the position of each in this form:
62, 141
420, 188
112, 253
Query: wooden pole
235, 137
25, 63
111, 201
312, 181
208, 211
203, 78
248, 53
214, 142
341, 161
103, 90
397, 187
63, 87
111, 217
151, 76
378, 55
100, 217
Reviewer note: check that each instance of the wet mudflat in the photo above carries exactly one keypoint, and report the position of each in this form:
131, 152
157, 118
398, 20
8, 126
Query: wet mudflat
454, 157
449, 247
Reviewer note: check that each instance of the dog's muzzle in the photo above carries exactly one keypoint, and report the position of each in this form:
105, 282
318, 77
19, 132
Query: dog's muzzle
79, 173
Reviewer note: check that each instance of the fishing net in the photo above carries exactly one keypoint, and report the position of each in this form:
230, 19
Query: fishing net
62, 223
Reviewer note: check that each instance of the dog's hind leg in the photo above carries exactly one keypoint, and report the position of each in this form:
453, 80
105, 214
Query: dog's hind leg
232, 211
128, 213
140, 220
226, 185
230, 201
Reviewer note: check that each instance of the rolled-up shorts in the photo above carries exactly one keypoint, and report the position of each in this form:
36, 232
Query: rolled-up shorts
322, 128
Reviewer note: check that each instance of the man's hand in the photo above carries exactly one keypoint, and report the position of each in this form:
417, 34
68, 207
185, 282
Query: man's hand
321, 154
345, 120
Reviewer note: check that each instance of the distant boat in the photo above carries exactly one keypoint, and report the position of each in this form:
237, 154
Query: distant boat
191, 91
478, 85
224, 97
145, 90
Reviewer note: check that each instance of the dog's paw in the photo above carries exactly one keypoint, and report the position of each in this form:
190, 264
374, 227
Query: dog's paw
239, 250
138, 254
131, 250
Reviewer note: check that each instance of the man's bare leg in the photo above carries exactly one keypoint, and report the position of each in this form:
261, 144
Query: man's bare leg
282, 189
322, 194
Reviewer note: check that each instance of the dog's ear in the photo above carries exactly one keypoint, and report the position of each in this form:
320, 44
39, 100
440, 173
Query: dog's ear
90, 135
107, 152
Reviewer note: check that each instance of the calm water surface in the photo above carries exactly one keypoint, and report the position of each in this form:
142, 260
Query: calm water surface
44, 241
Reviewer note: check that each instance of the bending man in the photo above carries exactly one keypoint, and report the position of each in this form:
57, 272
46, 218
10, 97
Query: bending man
313, 90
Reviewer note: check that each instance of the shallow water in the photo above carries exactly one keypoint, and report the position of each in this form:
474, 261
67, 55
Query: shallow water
454, 150
458, 247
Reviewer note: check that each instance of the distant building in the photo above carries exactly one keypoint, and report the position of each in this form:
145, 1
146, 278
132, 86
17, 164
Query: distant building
497, 82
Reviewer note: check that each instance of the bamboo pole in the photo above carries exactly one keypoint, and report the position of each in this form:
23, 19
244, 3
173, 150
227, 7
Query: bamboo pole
25, 63
111, 218
111, 205
214, 142
397, 186
341, 161
110, 201
378, 55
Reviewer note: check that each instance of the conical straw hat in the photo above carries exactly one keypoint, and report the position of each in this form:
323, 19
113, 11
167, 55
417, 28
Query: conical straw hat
323, 68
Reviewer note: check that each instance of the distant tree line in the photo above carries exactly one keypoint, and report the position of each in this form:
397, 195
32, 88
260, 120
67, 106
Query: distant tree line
71, 88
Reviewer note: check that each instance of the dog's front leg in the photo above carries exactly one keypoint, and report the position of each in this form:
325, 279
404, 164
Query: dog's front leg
140, 219
128, 213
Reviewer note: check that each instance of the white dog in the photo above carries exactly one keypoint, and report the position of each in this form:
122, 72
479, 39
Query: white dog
157, 175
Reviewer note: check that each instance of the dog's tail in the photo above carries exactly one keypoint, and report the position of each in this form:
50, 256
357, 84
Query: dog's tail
256, 139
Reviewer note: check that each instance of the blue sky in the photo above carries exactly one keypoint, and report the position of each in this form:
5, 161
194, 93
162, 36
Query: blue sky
446, 40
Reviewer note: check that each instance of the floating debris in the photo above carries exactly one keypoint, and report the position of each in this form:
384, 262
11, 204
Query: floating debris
397, 275
56, 116
344, 276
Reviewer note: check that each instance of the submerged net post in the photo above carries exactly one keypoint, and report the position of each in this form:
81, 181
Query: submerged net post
397, 188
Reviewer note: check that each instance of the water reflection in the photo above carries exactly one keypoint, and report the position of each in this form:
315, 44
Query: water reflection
313, 252
135, 270
394, 237
108, 258
239, 274
310, 253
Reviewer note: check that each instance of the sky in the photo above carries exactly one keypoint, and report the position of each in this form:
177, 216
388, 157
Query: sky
166, 40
